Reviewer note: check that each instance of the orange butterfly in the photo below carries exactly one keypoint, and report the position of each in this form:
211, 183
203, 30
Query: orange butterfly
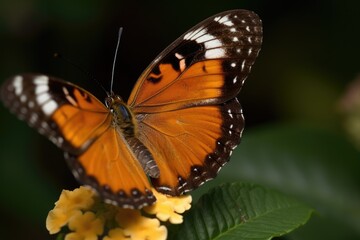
178, 128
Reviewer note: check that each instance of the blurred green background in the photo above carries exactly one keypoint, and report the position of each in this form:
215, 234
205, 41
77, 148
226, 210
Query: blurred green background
295, 140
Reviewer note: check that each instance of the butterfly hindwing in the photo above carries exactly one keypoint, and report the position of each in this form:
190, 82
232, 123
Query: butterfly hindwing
109, 166
191, 145
206, 65
81, 125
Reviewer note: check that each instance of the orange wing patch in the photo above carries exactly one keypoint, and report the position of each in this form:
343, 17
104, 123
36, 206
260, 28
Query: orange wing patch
79, 127
192, 144
180, 89
111, 168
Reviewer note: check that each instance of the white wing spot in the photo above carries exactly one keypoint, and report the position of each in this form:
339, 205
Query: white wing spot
205, 38
211, 43
65, 90
177, 55
230, 114
60, 140
31, 104
247, 28
49, 107
235, 39
229, 23
249, 51
68, 97
182, 65
23, 98
235, 80
224, 20
233, 64
243, 65
44, 125
42, 79
18, 84
34, 117
215, 43
41, 88
40, 99
214, 53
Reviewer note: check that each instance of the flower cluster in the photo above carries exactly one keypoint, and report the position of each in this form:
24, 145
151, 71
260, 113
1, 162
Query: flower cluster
82, 214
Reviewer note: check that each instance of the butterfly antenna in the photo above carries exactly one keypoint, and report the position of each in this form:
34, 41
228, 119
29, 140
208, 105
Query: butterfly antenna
116, 53
59, 56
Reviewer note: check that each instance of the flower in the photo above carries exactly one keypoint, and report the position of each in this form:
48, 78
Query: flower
88, 218
69, 204
116, 234
169, 208
136, 226
86, 226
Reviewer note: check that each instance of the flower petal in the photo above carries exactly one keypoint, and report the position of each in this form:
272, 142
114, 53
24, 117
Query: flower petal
169, 208
139, 227
87, 225
116, 234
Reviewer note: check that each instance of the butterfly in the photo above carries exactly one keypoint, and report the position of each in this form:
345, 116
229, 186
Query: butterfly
179, 126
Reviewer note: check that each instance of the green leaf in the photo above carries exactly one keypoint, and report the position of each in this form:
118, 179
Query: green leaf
315, 165
242, 211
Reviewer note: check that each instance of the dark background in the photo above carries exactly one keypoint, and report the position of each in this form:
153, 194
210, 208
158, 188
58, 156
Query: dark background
310, 54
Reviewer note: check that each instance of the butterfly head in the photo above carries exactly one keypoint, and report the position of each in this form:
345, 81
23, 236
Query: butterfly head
113, 100
123, 118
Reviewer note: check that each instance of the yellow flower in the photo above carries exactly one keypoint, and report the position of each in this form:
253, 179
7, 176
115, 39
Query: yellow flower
116, 234
88, 218
69, 204
169, 208
85, 226
80, 198
139, 227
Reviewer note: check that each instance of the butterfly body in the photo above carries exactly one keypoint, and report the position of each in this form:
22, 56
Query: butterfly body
178, 128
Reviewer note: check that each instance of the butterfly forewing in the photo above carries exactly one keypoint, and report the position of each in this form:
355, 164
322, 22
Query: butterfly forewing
81, 125
48, 103
206, 65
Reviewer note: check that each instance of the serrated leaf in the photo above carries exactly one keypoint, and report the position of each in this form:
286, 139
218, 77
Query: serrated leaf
242, 211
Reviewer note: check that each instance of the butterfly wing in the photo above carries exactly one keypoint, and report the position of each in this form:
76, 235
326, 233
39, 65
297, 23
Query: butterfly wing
190, 145
206, 65
81, 125
185, 101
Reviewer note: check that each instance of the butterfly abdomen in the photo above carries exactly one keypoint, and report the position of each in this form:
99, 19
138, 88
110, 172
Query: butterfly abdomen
144, 156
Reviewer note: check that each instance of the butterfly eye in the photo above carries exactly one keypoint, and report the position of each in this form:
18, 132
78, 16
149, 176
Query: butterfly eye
125, 114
